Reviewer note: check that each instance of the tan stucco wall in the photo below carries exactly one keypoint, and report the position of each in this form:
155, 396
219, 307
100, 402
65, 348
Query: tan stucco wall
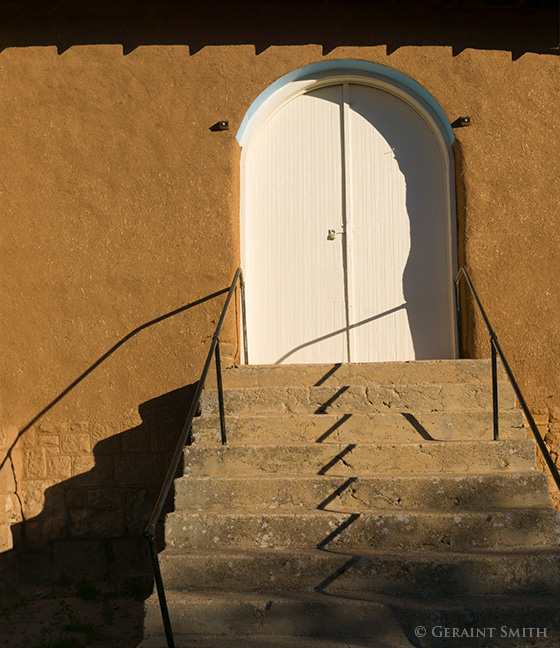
119, 205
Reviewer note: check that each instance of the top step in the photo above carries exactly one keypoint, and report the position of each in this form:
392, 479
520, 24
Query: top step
336, 375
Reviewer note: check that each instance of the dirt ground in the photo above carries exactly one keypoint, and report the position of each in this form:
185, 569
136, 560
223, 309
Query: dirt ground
79, 615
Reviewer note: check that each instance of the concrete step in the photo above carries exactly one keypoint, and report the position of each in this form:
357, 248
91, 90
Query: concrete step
353, 459
356, 504
358, 428
411, 529
407, 397
340, 374
267, 641
295, 614
424, 573
385, 619
353, 494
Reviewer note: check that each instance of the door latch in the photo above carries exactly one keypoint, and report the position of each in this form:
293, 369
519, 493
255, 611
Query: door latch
331, 234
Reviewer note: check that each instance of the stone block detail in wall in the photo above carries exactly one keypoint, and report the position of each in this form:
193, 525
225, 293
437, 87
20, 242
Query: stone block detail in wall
10, 508
552, 440
7, 482
110, 435
99, 524
75, 497
34, 463
27, 440
140, 504
49, 440
59, 466
138, 469
76, 444
86, 491
137, 442
160, 442
85, 557
133, 551
105, 498
82, 464
38, 536
32, 494
553, 432
6, 539
548, 424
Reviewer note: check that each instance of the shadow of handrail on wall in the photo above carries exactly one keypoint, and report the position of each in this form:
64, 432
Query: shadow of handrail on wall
373, 318
102, 359
99, 512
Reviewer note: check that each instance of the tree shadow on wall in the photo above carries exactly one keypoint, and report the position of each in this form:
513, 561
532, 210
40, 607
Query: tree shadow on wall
510, 25
91, 525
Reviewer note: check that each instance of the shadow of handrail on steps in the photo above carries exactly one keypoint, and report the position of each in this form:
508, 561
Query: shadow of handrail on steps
417, 426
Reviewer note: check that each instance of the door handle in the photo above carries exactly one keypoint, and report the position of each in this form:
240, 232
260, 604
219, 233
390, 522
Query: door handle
331, 234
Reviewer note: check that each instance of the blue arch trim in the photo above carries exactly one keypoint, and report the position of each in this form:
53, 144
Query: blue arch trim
361, 68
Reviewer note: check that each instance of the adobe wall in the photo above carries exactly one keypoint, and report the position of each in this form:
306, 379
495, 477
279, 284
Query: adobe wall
120, 205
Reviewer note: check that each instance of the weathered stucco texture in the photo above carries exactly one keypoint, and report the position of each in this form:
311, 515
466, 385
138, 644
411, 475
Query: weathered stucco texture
121, 205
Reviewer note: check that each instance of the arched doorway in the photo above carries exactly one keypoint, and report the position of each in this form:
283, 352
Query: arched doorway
347, 228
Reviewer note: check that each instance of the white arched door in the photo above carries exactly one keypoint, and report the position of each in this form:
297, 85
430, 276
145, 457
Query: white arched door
362, 162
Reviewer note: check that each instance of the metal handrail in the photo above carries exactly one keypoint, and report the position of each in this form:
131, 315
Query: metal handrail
185, 439
497, 352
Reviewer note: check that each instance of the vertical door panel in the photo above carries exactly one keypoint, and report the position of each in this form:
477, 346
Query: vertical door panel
295, 280
399, 272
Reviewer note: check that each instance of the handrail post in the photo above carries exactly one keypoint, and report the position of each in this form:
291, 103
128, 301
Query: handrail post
160, 590
494, 390
185, 439
497, 351
220, 393
244, 318
458, 311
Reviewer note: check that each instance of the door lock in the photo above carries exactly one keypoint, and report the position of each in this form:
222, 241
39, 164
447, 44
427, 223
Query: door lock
331, 234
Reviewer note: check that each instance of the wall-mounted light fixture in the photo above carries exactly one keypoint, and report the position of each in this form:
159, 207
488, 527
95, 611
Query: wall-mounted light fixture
220, 126
461, 121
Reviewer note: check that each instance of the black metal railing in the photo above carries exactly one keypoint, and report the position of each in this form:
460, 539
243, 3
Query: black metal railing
498, 353
185, 439
214, 351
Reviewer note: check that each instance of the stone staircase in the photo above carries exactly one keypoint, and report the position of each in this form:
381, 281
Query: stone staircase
360, 506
